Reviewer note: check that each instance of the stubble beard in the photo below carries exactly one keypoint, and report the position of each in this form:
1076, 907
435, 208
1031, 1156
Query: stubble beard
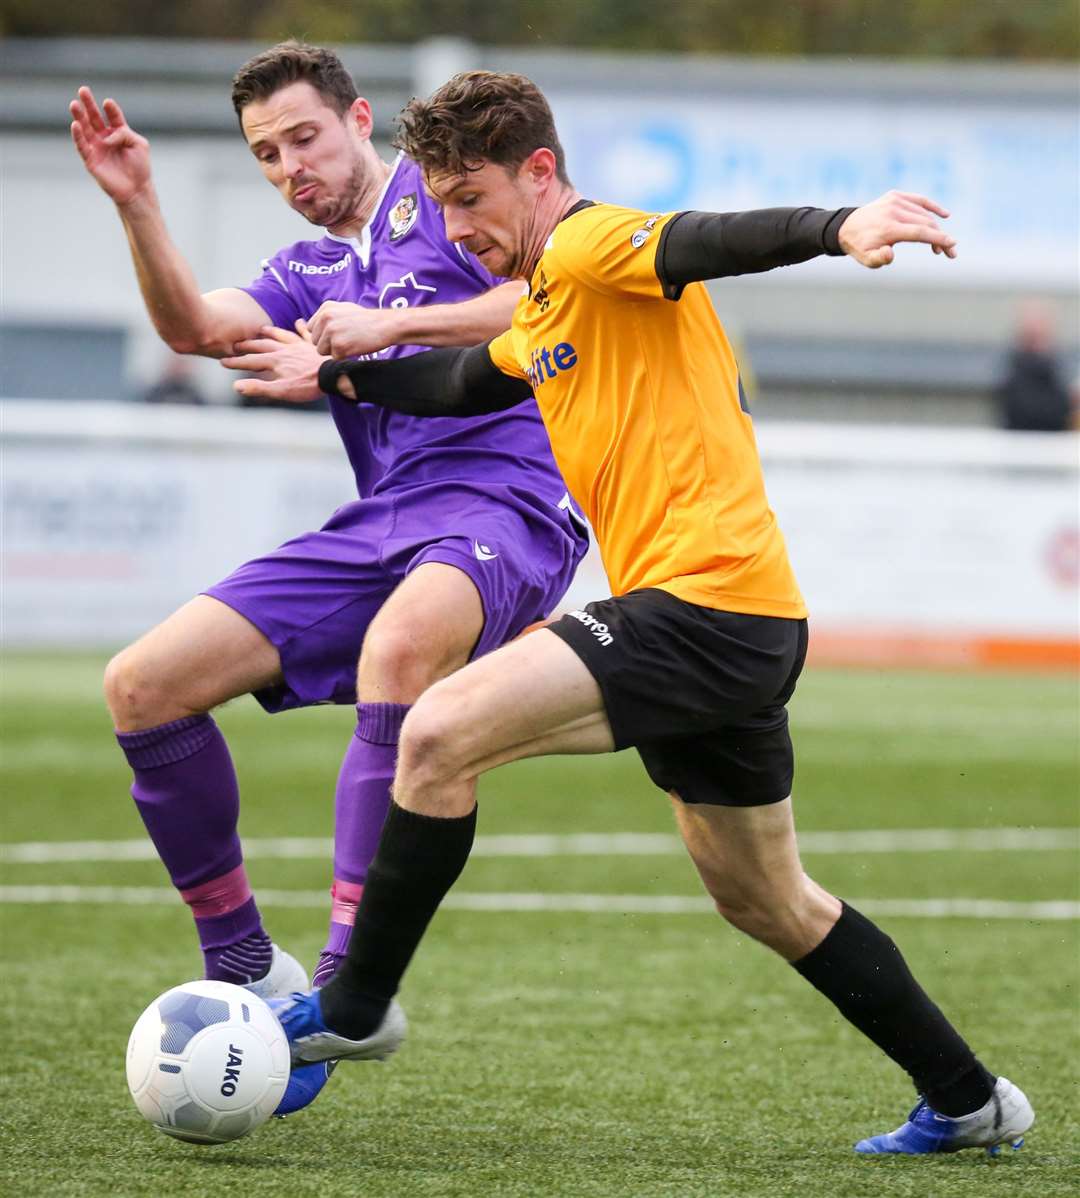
338, 211
511, 267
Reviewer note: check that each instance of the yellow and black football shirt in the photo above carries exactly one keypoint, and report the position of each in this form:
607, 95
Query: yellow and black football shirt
641, 398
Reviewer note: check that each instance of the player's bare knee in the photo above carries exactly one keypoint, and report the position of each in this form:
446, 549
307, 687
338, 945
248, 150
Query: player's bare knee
137, 697
402, 662
429, 750
425, 750
128, 692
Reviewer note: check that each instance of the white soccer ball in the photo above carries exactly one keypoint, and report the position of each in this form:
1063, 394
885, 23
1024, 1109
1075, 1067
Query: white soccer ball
207, 1062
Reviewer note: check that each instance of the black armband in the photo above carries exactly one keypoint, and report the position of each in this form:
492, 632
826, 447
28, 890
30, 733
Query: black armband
694, 246
440, 382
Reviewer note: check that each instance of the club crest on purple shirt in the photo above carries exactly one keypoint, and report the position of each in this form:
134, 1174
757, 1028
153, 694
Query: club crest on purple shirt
402, 259
403, 216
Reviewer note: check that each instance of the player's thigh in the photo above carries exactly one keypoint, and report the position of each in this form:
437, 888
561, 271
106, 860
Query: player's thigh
426, 629
530, 698
204, 654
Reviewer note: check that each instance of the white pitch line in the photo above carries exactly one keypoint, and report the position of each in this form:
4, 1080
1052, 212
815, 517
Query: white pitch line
617, 844
602, 904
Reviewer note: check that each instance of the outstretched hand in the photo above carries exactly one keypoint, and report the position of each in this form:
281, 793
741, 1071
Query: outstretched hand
288, 361
348, 330
870, 232
116, 156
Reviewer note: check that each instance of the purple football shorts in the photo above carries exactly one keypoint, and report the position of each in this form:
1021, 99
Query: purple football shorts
314, 597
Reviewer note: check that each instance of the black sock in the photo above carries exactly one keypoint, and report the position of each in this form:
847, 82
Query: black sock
860, 970
418, 860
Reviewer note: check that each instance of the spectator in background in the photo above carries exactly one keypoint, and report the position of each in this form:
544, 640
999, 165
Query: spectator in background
1032, 395
176, 384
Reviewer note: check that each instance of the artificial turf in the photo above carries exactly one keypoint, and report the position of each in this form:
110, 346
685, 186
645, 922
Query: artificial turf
556, 1053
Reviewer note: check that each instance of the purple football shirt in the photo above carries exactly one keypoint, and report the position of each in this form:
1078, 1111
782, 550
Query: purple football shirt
402, 258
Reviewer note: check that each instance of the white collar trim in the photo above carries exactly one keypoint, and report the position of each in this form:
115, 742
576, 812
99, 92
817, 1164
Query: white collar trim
362, 243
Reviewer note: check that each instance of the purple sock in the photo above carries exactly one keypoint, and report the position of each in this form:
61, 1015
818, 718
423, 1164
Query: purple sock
342, 918
186, 791
360, 805
241, 961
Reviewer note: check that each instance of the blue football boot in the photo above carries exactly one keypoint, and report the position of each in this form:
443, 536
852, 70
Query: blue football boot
305, 1085
316, 1050
1003, 1120
311, 1040
306, 1081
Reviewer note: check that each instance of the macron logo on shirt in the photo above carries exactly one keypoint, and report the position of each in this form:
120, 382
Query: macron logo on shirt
306, 268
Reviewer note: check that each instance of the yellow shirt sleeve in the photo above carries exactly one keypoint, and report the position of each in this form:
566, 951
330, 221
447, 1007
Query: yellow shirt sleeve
613, 249
503, 355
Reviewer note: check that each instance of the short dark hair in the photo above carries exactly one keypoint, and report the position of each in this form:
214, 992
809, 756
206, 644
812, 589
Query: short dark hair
479, 117
293, 62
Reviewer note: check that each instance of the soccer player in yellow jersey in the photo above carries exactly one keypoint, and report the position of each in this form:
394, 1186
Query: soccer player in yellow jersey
694, 658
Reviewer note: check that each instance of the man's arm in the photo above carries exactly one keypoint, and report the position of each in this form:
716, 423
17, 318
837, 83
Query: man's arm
118, 158
441, 382
343, 330
711, 245
348, 330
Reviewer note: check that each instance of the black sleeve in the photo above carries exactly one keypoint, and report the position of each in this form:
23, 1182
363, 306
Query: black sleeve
440, 382
714, 245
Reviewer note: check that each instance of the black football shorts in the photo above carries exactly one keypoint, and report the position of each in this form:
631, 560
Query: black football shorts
699, 693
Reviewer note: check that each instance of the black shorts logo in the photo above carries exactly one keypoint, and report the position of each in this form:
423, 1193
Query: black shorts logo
597, 627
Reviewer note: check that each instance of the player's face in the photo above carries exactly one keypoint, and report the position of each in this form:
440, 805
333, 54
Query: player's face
314, 157
492, 211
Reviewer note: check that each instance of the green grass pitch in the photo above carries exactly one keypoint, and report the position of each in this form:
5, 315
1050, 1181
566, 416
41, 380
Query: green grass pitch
558, 1053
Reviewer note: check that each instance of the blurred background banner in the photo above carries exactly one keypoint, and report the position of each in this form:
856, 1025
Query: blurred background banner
1005, 161
913, 546
115, 514
919, 530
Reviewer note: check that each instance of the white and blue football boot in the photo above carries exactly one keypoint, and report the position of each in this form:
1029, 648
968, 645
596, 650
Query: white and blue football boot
309, 1038
1003, 1120
285, 975
312, 1041
306, 1082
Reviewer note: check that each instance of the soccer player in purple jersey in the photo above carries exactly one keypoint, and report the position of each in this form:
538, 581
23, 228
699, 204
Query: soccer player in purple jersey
462, 537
